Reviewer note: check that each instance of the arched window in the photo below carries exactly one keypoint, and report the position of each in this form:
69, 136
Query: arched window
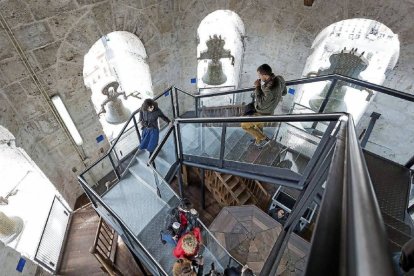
116, 71
359, 48
219, 51
26, 196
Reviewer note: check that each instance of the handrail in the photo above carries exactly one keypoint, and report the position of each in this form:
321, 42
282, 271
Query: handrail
185, 92
365, 84
160, 145
121, 133
113, 214
350, 237
199, 221
376, 87
381, 89
304, 117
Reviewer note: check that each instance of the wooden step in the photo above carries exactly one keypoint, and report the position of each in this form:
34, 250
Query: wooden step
226, 177
244, 197
238, 190
232, 182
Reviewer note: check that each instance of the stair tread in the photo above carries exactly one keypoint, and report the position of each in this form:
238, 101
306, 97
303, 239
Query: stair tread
232, 183
270, 155
239, 148
239, 190
226, 177
244, 197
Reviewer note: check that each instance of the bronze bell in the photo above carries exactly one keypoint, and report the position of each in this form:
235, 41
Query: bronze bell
347, 63
214, 74
10, 227
113, 107
117, 112
215, 51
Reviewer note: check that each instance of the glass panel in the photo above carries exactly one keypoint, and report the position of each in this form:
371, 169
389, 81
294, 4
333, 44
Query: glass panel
229, 105
167, 157
311, 96
291, 145
392, 134
294, 256
127, 143
186, 104
165, 104
202, 140
101, 177
213, 251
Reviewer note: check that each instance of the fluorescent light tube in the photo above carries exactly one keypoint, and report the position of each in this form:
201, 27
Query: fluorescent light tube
63, 112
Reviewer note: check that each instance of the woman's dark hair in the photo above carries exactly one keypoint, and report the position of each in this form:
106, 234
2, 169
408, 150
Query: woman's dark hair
147, 103
264, 69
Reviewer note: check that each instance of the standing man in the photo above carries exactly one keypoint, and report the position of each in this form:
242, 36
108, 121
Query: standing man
268, 93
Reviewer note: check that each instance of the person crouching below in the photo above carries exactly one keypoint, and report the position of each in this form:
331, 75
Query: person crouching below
188, 245
268, 93
148, 118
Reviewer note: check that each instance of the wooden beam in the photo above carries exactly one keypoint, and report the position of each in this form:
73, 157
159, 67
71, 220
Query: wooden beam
308, 3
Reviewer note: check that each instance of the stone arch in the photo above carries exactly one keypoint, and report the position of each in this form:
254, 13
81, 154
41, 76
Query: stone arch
227, 29
118, 58
360, 48
147, 23
25, 192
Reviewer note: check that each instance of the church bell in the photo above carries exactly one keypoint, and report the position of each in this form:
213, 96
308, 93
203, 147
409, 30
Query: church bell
116, 112
10, 227
214, 74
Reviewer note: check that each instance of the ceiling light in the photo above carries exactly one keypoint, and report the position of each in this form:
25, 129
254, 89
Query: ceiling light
63, 112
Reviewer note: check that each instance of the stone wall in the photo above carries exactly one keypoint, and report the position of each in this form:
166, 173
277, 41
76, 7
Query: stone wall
55, 35
9, 260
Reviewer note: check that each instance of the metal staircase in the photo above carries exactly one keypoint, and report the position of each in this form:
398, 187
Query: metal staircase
299, 156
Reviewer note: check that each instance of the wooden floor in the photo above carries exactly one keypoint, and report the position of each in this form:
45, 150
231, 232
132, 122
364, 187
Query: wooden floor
76, 259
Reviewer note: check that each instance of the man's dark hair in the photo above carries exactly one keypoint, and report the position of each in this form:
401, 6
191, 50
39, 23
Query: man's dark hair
147, 103
264, 69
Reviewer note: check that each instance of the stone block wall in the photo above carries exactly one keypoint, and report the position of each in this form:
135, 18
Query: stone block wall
55, 35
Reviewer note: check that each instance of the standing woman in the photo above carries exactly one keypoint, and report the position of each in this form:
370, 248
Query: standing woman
148, 118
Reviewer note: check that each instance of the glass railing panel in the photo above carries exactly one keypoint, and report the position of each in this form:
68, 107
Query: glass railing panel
293, 261
312, 95
212, 250
201, 139
128, 142
186, 103
230, 105
215, 251
166, 106
291, 145
167, 156
101, 177
392, 134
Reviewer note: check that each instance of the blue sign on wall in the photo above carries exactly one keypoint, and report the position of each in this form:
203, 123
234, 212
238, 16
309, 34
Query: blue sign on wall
291, 91
100, 138
20, 265
194, 80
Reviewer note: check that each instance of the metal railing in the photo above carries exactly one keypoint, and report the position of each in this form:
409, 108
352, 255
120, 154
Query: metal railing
122, 229
350, 237
352, 181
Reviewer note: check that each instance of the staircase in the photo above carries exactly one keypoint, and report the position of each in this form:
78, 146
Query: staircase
392, 188
104, 248
142, 202
230, 190
290, 148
